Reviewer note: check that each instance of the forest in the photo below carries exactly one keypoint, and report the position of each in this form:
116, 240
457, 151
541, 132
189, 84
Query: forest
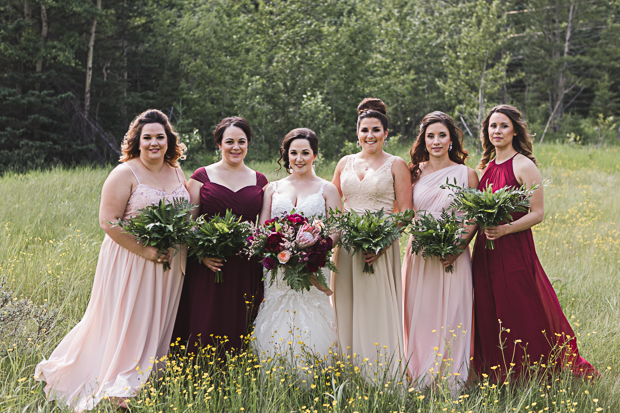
74, 73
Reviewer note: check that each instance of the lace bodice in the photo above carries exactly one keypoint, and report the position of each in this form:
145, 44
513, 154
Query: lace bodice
312, 205
372, 193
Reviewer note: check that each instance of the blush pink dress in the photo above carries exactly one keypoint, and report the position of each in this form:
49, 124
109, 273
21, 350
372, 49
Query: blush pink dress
127, 325
437, 305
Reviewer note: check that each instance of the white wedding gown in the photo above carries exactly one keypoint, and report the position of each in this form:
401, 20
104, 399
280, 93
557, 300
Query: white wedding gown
293, 324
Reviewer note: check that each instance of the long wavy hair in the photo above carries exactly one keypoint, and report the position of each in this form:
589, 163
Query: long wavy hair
522, 142
418, 151
130, 147
299, 133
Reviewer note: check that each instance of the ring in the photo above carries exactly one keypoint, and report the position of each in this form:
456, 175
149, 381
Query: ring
158, 259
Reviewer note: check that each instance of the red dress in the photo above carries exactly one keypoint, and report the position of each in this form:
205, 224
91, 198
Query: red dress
510, 285
208, 309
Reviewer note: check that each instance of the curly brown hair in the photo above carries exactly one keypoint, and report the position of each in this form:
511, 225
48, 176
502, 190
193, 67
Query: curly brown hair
299, 133
236, 121
522, 142
372, 108
418, 151
131, 142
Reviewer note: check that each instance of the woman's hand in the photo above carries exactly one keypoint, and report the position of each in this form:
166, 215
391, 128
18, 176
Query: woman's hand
449, 259
214, 264
152, 254
494, 233
370, 257
320, 286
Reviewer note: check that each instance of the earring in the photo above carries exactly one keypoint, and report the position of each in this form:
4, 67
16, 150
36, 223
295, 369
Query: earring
384, 143
425, 149
450, 148
358, 144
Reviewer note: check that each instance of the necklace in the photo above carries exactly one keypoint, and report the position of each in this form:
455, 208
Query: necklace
369, 165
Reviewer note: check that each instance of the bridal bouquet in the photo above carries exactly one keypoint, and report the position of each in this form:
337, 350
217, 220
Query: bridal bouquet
218, 238
370, 232
487, 208
294, 244
163, 225
437, 237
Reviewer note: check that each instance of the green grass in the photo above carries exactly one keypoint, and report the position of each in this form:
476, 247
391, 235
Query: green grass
49, 244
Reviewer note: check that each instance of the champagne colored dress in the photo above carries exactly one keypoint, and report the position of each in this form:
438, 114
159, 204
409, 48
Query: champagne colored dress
295, 323
368, 306
437, 304
127, 325
514, 299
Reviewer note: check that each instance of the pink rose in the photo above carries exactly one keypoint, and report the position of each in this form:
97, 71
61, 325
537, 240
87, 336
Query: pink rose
284, 256
306, 236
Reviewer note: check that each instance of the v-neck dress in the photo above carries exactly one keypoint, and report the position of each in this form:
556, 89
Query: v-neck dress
210, 312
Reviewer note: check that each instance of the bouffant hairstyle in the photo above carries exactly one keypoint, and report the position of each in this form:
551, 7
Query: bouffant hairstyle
130, 147
420, 154
241, 123
299, 133
522, 142
372, 108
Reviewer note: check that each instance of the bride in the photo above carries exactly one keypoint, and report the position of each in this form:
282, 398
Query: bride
293, 324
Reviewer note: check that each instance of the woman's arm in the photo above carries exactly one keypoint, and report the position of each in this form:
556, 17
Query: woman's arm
114, 197
265, 212
402, 185
336, 179
525, 172
333, 201
193, 187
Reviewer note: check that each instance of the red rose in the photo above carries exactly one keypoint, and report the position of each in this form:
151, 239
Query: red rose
296, 219
269, 263
273, 242
316, 260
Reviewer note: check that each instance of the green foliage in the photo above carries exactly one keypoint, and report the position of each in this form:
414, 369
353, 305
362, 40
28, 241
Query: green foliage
370, 232
489, 208
218, 238
437, 237
163, 225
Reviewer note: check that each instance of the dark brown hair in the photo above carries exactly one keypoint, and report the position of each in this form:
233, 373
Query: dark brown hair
372, 108
299, 133
522, 142
241, 123
418, 151
131, 142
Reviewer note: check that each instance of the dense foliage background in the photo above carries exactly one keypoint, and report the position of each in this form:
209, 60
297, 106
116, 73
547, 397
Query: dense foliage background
74, 73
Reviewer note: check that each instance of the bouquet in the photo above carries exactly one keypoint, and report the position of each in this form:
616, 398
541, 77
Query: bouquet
437, 237
218, 238
487, 208
162, 225
372, 231
294, 244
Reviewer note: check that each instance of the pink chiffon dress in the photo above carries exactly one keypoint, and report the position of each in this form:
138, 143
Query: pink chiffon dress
437, 305
127, 325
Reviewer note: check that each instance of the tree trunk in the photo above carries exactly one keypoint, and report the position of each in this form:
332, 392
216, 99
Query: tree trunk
562, 78
481, 99
44, 28
89, 62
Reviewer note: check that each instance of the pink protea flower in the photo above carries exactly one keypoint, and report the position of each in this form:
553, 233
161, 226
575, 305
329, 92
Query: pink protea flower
318, 225
284, 256
306, 236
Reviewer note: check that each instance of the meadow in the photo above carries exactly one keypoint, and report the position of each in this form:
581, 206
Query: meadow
49, 244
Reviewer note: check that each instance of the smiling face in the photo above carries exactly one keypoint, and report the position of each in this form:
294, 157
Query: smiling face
371, 135
501, 131
301, 156
234, 145
437, 140
153, 142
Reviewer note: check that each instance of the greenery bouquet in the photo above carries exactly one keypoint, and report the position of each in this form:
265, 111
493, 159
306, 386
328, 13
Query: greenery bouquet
437, 237
162, 225
487, 208
218, 238
297, 246
369, 232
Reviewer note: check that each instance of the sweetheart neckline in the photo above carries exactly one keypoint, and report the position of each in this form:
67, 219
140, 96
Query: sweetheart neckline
299, 201
159, 189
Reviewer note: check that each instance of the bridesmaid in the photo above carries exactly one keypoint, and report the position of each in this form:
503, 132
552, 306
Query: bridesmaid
368, 306
515, 301
438, 305
128, 323
213, 313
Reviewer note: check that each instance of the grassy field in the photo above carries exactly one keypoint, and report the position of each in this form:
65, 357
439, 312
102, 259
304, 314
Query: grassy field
49, 243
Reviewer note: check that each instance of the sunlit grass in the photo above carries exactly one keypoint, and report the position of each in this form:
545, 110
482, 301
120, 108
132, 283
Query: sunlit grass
50, 239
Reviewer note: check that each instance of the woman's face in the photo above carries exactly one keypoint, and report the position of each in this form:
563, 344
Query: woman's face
437, 140
153, 143
234, 145
501, 130
371, 135
301, 156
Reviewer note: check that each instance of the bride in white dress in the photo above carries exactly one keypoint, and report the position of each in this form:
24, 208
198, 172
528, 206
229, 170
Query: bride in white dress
293, 324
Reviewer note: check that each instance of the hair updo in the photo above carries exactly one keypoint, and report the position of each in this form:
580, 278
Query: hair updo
241, 123
299, 133
372, 108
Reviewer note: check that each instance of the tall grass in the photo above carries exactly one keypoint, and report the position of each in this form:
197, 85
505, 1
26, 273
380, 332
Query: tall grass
49, 243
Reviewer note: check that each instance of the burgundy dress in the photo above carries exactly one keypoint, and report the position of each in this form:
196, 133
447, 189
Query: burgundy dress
510, 285
207, 309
